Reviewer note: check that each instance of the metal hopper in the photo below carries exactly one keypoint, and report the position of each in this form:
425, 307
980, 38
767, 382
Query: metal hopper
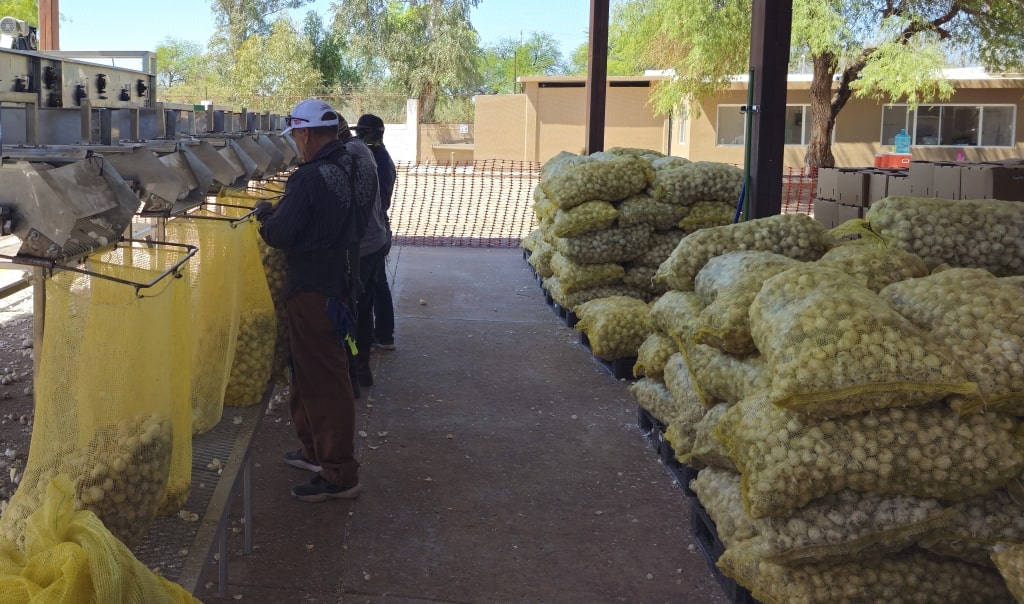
277, 162
238, 158
225, 172
159, 185
195, 173
287, 151
64, 212
264, 163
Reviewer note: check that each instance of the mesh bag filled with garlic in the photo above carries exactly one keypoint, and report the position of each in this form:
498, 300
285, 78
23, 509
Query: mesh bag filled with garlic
644, 209
653, 354
669, 161
1009, 560
587, 217
615, 244
575, 276
691, 182
653, 396
980, 319
708, 451
797, 236
541, 257
977, 526
707, 214
834, 347
603, 178
529, 243
543, 207
875, 266
573, 300
659, 247
727, 285
615, 326
788, 459
642, 277
908, 577
682, 426
982, 233
722, 377
674, 313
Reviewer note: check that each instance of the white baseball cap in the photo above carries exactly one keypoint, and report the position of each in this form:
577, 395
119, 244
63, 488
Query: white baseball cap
310, 113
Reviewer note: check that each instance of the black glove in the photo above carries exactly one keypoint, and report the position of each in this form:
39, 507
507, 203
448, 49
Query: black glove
262, 209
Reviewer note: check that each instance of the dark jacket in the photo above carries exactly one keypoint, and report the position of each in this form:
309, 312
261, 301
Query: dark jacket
386, 173
315, 225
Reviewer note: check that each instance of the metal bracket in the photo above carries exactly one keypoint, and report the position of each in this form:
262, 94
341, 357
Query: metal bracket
750, 108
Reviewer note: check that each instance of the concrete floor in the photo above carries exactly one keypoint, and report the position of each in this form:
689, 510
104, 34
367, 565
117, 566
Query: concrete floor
501, 463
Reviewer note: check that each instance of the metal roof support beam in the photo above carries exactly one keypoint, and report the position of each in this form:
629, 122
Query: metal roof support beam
770, 34
597, 74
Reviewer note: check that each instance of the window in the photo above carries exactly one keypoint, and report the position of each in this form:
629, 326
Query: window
732, 125
951, 125
683, 118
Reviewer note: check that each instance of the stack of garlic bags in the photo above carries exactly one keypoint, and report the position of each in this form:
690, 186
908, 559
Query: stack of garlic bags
861, 434
607, 222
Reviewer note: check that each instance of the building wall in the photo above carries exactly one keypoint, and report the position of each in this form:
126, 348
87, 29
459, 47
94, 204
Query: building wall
554, 120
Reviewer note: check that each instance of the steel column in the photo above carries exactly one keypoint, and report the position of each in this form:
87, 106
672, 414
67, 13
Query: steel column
597, 74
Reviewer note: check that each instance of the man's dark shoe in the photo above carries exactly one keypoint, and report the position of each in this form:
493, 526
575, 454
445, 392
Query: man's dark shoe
320, 489
297, 460
385, 345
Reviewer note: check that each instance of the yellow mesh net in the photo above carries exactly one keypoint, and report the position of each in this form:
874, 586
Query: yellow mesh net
653, 354
212, 275
977, 526
71, 558
1010, 562
113, 410
616, 326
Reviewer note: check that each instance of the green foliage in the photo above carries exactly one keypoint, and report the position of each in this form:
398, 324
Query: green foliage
501, 63
238, 19
178, 62
327, 55
26, 10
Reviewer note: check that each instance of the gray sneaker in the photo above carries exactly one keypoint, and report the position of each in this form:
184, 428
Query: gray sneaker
320, 489
297, 460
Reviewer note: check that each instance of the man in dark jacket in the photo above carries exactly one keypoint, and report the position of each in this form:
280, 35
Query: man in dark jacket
318, 223
370, 129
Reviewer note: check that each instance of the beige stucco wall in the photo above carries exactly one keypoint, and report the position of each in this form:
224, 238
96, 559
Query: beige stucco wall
432, 135
553, 119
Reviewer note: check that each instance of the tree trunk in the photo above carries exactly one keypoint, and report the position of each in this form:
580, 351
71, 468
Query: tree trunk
819, 147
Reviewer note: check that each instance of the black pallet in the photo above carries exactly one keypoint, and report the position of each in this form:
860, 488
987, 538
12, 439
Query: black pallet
571, 319
706, 534
655, 432
621, 369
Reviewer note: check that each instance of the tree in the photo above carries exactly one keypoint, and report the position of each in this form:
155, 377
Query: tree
238, 19
423, 48
501, 63
891, 50
26, 10
328, 54
272, 71
178, 62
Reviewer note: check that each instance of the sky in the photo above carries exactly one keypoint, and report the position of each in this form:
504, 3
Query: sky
142, 24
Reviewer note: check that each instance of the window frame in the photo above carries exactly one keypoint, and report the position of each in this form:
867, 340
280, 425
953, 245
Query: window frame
804, 125
912, 124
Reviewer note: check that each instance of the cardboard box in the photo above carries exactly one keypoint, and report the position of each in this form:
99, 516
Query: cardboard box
993, 181
825, 212
946, 180
898, 183
921, 174
844, 213
852, 186
826, 188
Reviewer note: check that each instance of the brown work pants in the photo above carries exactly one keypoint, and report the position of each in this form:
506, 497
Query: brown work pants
322, 405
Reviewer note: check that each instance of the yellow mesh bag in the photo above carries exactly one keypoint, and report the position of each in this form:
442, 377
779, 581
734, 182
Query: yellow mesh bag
615, 326
977, 526
983, 233
834, 347
910, 576
689, 183
653, 354
574, 300
722, 377
708, 451
604, 178
674, 314
707, 214
542, 206
687, 411
252, 366
643, 209
112, 396
541, 257
614, 244
659, 247
1009, 560
797, 236
212, 276
529, 243
727, 285
788, 459
71, 558
575, 277
653, 396
642, 277
979, 318
587, 217
875, 266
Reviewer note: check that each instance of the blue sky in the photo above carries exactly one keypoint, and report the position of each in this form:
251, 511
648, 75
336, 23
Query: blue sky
142, 24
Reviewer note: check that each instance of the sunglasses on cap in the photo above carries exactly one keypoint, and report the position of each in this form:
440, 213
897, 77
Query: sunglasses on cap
294, 121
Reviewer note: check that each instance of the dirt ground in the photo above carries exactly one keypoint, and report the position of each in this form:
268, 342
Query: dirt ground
16, 410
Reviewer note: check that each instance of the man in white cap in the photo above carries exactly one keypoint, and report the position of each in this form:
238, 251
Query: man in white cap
319, 223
